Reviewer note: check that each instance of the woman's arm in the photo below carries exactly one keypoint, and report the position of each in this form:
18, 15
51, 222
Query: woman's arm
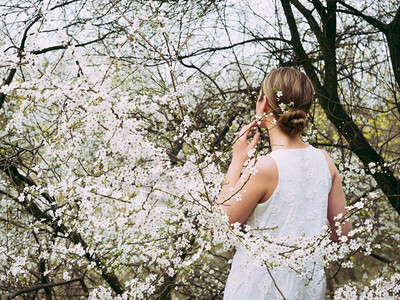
336, 202
240, 194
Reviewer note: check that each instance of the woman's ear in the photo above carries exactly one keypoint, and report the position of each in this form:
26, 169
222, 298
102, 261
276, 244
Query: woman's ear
265, 105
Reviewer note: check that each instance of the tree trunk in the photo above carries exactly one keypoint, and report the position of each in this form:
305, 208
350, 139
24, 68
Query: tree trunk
393, 39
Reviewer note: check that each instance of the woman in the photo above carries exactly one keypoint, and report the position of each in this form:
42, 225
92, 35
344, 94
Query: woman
295, 189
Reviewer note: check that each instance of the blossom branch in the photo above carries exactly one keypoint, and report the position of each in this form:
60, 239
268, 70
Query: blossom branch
54, 222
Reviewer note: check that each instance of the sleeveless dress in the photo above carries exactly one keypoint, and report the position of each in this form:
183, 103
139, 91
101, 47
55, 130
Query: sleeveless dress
297, 208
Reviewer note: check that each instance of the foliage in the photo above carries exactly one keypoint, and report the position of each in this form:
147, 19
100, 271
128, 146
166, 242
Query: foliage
116, 124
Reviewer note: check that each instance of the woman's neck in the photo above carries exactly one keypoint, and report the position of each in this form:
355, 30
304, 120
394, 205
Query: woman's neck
280, 140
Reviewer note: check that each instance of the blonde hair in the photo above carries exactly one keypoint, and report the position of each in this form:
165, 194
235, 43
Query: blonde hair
289, 93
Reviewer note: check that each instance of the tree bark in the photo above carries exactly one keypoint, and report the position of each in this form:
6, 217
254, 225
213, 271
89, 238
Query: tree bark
393, 40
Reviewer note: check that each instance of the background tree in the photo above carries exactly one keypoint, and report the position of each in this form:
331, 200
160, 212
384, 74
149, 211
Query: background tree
117, 120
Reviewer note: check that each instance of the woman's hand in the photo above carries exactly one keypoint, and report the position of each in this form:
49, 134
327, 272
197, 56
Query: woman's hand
241, 147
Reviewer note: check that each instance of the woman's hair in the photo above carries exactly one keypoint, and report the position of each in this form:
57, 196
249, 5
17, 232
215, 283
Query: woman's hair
289, 93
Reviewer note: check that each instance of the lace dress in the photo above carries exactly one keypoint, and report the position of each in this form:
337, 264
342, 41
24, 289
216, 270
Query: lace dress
297, 208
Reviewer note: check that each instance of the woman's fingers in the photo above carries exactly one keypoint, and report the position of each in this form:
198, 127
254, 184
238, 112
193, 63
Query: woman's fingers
241, 147
253, 127
245, 132
248, 128
255, 140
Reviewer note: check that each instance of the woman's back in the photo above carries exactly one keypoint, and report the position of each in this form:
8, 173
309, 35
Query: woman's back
297, 208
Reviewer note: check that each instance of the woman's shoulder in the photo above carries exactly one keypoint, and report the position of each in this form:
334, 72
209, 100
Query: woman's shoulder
331, 165
264, 164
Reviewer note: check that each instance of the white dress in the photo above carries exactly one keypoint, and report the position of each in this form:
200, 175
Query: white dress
297, 208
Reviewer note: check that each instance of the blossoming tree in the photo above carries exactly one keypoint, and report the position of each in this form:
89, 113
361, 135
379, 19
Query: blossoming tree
117, 119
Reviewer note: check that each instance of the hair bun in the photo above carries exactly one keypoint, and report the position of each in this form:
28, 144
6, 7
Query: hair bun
293, 122
292, 90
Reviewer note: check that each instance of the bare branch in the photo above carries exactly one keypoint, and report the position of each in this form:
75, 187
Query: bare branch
61, 47
41, 286
374, 22
215, 49
311, 20
20, 50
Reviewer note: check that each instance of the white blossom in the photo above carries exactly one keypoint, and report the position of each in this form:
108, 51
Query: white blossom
253, 171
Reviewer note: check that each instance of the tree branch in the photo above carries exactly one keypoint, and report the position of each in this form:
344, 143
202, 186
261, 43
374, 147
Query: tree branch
214, 49
310, 19
63, 4
61, 47
396, 18
41, 286
374, 22
381, 258
391, 32
320, 8
20, 50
